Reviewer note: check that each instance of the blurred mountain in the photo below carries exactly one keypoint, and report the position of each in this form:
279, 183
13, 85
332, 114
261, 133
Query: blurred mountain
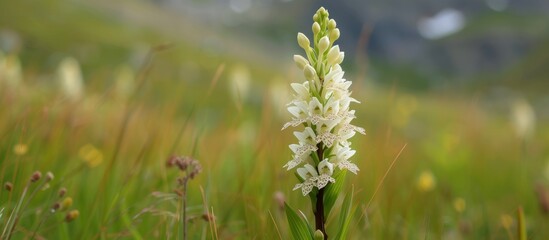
494, 34
418, 44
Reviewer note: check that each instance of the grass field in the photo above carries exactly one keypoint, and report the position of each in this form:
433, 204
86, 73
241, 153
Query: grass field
464, 171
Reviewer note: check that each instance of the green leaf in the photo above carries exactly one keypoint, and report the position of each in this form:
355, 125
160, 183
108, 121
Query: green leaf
347, 212
332, 192
315, 158
298, 226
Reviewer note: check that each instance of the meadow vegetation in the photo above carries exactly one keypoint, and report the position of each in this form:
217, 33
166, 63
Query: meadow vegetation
467, 160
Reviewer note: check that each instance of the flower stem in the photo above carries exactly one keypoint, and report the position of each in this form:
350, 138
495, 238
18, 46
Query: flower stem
319, 213
319, 208
184, 209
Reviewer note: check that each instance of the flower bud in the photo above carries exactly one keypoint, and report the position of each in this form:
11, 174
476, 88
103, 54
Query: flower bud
310, 73
323, 11
36, 176
73, 214
300, 61
334, 35
319, 235
323, 44
332, 24
333, 55
303, 41
316, 28
315, 17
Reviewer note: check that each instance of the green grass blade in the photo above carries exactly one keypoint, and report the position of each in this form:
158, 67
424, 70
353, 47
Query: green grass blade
128, 222
332, 192
521, 225
347, 212
298, 226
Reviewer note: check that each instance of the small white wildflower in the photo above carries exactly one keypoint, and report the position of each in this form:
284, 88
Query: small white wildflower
309, 176
308, 136
10, 71
326, 169
523, 118
70, 78
240, 83
312, 178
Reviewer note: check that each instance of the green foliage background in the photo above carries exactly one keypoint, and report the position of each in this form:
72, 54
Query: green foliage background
463, 135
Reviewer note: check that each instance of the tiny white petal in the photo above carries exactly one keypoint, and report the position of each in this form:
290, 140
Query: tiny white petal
325, 167
311, 170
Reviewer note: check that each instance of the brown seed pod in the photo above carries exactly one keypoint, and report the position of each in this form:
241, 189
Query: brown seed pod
8, 186
36, 176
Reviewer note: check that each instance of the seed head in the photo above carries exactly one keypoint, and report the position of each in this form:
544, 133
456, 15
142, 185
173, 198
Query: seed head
171, 161
71, 215
36, 176
208, 217
8, 186
62, 192
55, 206
49, 176
182, 164
66, 204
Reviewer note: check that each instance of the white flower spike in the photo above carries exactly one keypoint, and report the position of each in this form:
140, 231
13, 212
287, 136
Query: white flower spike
322, 105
